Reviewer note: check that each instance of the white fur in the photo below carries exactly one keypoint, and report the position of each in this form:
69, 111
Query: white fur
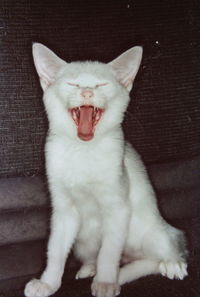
102, 200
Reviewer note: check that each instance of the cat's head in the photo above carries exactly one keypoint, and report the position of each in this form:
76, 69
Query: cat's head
85, 99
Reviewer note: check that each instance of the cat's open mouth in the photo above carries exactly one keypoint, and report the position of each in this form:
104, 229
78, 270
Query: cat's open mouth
86, 118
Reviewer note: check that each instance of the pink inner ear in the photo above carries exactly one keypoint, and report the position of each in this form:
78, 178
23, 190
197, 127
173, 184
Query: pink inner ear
126, 65
47, 64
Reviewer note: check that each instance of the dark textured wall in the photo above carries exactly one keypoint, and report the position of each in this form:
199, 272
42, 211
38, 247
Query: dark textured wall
163, 117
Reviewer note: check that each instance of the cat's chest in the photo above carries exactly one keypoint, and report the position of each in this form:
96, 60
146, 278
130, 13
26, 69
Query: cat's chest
84, 167
79, 165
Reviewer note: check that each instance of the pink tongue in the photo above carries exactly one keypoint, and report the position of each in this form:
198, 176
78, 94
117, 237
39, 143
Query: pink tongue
85, 126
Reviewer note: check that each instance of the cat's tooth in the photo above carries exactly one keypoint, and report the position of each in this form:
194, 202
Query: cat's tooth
97, 116
96, 112
74, 114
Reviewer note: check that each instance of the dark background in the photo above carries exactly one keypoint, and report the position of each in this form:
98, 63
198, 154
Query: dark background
163, 117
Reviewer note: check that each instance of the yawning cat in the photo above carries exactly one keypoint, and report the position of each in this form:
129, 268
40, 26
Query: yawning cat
102, 201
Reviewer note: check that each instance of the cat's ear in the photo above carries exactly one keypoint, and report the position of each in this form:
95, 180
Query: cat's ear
47, 64
126, 66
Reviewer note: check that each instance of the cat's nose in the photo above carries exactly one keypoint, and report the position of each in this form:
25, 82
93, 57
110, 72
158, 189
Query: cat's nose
87, 94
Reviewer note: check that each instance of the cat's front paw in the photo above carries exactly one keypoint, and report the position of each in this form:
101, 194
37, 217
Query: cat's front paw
37, 288
100, 289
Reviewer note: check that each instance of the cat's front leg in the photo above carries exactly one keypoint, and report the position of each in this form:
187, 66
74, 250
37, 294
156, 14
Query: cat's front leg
115, 224
64, 227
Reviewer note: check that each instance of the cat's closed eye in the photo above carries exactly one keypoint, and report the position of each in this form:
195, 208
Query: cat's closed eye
78, 86
73, 84
101, 85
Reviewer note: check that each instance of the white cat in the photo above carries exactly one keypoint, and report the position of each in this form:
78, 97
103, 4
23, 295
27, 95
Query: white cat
102, 200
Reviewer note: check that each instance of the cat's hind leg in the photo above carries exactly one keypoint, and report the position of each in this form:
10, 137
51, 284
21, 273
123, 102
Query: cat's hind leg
173, 269
168, 245
164, 252
86, 270
144, 267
